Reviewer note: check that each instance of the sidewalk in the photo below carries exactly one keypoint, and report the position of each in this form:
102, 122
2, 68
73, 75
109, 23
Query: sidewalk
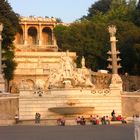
87, 132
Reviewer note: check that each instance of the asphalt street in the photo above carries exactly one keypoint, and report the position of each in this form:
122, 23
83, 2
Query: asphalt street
89, 132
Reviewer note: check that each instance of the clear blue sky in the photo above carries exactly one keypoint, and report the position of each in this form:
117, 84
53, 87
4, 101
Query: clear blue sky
67, 10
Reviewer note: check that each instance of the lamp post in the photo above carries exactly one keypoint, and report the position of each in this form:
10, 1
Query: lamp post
1, 28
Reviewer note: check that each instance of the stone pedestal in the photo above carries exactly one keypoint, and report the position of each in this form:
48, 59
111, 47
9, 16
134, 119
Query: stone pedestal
116, 82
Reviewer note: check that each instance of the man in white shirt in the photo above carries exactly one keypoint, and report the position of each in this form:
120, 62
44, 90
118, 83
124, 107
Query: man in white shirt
137, 127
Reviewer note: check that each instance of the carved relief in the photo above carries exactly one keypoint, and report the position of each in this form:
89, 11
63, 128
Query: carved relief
101, 80
40, 84
24, 85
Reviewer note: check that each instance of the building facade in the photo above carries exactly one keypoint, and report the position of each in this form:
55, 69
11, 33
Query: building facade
36, 34
36, 52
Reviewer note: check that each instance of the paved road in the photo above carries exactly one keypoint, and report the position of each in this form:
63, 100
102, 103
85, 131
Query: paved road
100, 132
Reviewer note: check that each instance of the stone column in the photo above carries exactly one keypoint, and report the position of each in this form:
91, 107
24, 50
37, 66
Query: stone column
52, 39
114, 52
25, 34
40, 35
2, 81
116, 79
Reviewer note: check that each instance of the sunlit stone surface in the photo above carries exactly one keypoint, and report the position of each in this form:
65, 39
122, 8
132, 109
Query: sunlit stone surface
49, 81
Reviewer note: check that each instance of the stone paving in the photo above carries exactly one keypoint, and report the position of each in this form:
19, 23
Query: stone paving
89, 132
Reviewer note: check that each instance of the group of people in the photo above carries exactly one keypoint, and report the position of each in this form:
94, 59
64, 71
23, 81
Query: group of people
95, 120
37, 117
81, 120
105, 120
61, 121
117, 118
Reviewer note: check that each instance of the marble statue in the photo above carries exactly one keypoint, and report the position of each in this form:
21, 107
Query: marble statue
79, 78
24, 85
40, 84
68, 76
83, 62
67, 65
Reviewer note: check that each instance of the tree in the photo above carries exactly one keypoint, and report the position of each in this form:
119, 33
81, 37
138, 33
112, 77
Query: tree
86, 40
89, 36
59, 31
101, 6
10, 21
58, 20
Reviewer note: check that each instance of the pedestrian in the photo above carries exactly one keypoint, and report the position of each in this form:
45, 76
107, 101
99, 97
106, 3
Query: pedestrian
137, 127
113, 115
16, 119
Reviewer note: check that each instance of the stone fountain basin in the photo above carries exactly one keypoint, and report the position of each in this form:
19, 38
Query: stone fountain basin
70, 110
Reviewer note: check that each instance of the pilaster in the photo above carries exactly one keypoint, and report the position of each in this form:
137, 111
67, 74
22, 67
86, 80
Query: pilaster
25, 34
40, 34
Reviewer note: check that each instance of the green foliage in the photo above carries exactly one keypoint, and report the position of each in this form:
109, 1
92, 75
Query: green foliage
59, 32
101, 6
58, 20
80, 38
89, 37
11, 65
10, 22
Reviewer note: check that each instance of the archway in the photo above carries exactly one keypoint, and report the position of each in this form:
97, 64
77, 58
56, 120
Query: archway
31, 84
32, 36
47, 36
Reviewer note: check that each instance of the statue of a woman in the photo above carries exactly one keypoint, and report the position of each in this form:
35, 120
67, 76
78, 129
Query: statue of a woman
67, 65
83, 62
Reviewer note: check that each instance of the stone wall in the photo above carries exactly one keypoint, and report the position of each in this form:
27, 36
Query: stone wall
9, 104
130, 83
102, 80
130, 103
8, 107
54, 103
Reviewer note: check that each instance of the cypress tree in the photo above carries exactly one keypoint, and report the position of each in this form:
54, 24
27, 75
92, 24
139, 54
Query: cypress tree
10, 21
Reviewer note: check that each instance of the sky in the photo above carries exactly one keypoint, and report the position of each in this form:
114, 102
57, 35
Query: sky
67, 10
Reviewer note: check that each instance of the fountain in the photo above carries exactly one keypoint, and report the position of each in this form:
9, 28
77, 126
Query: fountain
71, 110
69, 91
65, 89
62, 89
